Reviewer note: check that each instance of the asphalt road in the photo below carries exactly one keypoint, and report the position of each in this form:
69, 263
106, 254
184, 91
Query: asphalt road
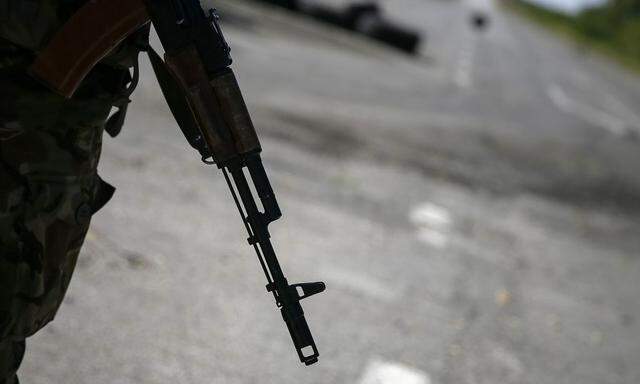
474, 212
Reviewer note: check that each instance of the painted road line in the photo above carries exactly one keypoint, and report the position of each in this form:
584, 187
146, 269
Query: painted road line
433, 224
592, 115
382, 372
621, 108
462, 76
431, 214
611, 102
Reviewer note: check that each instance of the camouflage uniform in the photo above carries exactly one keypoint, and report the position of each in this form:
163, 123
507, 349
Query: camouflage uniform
49, 187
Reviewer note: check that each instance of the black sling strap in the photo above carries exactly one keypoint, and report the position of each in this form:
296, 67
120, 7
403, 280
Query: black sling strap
174, 95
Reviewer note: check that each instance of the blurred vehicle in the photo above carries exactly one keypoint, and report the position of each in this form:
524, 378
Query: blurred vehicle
366, 18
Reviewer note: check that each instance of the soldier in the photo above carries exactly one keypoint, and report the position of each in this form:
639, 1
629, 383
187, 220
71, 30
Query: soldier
49, 187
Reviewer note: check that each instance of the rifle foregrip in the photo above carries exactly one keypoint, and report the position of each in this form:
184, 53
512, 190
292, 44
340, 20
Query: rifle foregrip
89, 35
234, 111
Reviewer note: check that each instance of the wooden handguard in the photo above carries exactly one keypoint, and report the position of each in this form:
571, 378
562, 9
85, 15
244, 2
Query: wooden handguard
89, 35
187, 68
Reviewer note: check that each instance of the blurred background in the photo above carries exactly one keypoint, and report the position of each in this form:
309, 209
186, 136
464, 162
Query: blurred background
464, 176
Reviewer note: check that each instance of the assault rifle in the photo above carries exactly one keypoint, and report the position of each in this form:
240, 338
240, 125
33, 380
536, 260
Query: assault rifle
204, 97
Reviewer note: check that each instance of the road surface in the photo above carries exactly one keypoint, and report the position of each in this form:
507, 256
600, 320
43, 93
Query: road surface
474, 212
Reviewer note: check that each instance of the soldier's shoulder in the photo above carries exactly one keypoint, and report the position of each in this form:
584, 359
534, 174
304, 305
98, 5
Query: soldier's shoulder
30, 23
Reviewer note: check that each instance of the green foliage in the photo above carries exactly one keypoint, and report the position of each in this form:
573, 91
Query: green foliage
617, 23
612, 28
610, 21
629, 38
594, 24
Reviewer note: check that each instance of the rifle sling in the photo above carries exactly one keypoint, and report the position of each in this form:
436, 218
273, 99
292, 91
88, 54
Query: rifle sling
129, 82
178, 104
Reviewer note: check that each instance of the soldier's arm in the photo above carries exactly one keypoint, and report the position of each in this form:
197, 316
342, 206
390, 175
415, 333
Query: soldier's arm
88, 37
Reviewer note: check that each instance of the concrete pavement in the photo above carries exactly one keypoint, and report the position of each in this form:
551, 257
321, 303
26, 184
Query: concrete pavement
473, 223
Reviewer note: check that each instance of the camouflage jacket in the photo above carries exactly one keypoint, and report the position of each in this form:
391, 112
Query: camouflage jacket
30, 24
49, 151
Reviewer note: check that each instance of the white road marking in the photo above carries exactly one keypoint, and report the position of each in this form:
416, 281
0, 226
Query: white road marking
612, 103
381, 372
433, 222
592, 115
462, 76
360, 283
617, 105
431, 214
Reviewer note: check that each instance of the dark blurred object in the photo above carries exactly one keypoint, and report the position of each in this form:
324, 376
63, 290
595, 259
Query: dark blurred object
479, 20
346, 17
289, 4
389, 33
364, 17
354, 14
